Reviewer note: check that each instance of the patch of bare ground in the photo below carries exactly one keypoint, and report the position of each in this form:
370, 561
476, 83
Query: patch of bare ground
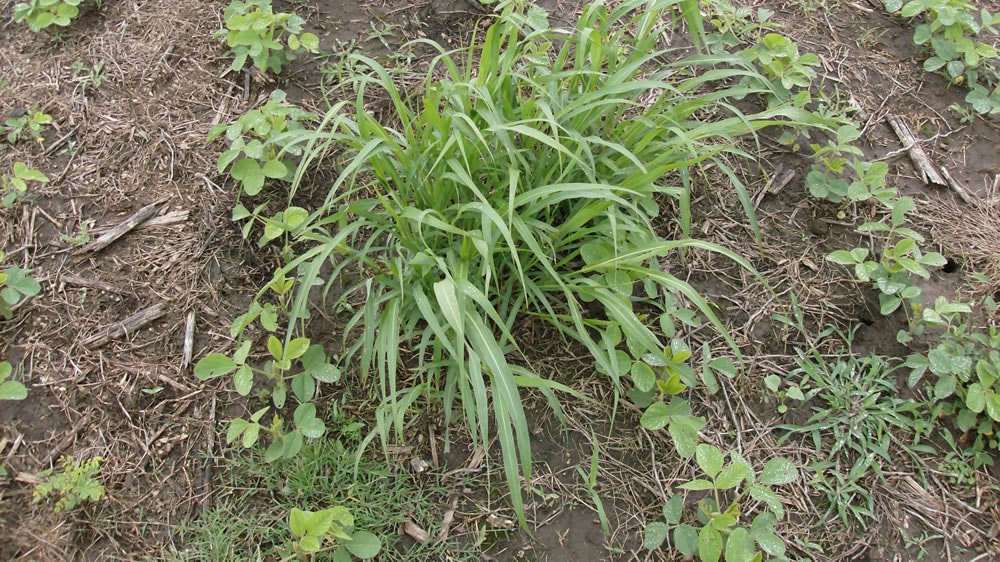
127, 134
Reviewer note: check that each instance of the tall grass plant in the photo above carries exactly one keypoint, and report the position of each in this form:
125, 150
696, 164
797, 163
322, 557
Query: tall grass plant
521, 179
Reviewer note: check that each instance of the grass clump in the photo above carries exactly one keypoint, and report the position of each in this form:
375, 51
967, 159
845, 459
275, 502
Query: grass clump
521, 180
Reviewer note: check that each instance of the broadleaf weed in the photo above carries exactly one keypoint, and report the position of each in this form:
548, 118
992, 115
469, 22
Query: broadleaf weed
74, 483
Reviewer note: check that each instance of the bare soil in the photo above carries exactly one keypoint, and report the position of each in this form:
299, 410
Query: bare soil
139, 138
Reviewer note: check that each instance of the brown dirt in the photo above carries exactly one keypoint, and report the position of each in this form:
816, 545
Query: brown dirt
139, 138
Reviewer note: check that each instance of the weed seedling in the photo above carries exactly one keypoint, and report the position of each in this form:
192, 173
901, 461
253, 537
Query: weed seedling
74, 484
88, 76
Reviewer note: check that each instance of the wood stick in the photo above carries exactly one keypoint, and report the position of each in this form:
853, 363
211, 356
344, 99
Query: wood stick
957, 187
920, 159
173, 217
188, 341
121, 228
91, 284
126, 326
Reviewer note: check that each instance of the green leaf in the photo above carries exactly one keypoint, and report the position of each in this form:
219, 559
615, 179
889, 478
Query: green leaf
762, 531
944, 387
975, 398
307, 422
250, 435
769, 498
772, 382
686, 540
595, 252
243, 380
709, 459
342, 555
291, 444
297, 520
697, 485
296, 348
709, 544
214, 365
655, 417
364, 544
19, 280
842, 257
740, 546
279, 395
275, 348
275, 450
274, 169
684, 432
655, 533
236, 428
934, 63
12, 390
732, 476
304, 387
673, 509
993, 405
643, 376
309, 41
724, 365
245, 168
311, 543
778, 471
325, 373
319, 522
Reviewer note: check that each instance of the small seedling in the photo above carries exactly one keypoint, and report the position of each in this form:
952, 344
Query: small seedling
966, 364
259, 147
89, 76
791, 390
779, 59
15, 186
952, 32
901, 259
74, 484
82, 235
254, 32
15, 286
722, 535
34, 121
334, 525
